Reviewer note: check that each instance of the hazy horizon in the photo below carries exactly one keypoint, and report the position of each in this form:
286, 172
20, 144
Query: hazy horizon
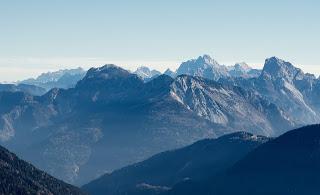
55, 64
33, 70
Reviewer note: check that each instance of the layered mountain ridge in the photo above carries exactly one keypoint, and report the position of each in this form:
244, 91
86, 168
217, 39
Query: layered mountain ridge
162, 171
79, 133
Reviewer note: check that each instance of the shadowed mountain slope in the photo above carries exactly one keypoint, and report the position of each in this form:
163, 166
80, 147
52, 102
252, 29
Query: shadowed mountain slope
162, 171
286, 165
20, 177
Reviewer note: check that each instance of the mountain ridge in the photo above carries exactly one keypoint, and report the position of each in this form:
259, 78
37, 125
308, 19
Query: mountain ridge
20, 177
163, 113
65, 78
285, 165
162, 171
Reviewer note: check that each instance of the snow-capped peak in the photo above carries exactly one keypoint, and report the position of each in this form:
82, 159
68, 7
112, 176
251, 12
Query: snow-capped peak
203, 66
206, 59
145, 72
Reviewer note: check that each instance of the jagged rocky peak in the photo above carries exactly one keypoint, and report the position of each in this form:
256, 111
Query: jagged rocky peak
243, 70
145, 72
206, 59
278, 68
54, 76
65, 79
203, 66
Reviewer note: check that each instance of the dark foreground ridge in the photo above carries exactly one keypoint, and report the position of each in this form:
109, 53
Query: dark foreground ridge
289, 164
162, 171
20, 177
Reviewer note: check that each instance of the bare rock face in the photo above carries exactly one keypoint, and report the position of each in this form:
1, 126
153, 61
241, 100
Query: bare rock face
203, 66
206, 67
288, 87
229, 105
146, 73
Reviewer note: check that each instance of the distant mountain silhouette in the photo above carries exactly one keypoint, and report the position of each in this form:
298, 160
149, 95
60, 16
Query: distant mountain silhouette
59, 79
146, 74
243, 70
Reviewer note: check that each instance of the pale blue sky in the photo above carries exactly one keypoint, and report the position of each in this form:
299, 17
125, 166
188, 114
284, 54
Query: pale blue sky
40, 35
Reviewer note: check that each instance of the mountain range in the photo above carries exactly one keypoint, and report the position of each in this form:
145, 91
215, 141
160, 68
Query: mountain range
112, 118
87, 121
66, 78
204, 66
